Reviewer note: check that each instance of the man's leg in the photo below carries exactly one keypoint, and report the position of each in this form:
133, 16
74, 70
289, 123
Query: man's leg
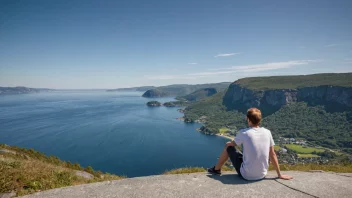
222, 159
236, 158
224, 156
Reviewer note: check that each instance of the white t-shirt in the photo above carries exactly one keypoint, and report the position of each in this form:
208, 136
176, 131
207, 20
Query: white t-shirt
256, 144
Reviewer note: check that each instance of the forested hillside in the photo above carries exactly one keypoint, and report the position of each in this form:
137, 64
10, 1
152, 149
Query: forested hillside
199, 94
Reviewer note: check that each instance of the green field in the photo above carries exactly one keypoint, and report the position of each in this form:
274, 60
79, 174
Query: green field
277, 147
223, 130
307, 155
303, 150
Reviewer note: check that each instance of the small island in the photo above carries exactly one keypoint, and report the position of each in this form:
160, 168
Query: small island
153, 104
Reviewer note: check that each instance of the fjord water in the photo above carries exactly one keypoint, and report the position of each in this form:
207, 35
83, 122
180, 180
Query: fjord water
111, 131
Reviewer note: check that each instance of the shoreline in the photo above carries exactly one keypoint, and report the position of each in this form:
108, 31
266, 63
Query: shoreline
225, 136
198, 129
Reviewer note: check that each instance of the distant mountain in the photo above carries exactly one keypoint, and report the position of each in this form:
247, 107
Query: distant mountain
183, 89
143, 88
155, 93
199, 94
21, 90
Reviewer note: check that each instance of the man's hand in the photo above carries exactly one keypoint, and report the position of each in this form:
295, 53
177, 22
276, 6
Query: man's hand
285, 177
273, 159
232, 143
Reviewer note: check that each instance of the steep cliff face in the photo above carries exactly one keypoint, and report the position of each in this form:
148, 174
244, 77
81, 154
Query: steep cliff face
242, 98
341, 96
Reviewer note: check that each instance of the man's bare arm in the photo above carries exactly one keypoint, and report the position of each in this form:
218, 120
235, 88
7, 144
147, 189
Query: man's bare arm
273, 159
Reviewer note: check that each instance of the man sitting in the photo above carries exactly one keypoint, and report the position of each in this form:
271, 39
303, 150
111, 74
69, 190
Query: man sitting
258, 147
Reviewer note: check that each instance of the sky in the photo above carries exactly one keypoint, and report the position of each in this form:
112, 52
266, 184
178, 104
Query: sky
68, 44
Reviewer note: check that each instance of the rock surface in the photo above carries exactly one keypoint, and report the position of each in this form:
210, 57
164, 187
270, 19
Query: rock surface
84, 174
7, 195
304, 184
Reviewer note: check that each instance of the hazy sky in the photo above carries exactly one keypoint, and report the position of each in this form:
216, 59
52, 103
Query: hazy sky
124, 43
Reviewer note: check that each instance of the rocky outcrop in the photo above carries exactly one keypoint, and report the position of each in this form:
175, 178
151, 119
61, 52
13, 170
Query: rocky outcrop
84, 174
242, 98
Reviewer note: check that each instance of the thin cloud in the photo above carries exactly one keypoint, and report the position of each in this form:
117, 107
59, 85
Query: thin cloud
239, 69
258, 67
332, 45
224, 55
192, 63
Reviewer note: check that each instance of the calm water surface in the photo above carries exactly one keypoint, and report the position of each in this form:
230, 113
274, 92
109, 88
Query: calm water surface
111, 131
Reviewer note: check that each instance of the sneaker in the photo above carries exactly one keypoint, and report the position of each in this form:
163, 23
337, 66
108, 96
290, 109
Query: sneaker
213, 171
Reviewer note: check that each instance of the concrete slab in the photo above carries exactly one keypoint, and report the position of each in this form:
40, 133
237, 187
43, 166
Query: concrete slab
203, 185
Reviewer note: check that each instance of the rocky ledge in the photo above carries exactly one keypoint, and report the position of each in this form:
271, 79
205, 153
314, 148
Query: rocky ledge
304, 184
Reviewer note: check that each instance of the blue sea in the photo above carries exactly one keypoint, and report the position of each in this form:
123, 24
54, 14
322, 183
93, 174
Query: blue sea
113, 132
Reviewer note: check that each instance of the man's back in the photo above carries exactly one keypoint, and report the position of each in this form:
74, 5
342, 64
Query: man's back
256, 144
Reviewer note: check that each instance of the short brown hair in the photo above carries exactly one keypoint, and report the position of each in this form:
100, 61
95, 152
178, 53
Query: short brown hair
254, 115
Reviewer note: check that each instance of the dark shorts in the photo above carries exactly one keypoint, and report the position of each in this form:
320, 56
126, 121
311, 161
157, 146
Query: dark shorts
236, 158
